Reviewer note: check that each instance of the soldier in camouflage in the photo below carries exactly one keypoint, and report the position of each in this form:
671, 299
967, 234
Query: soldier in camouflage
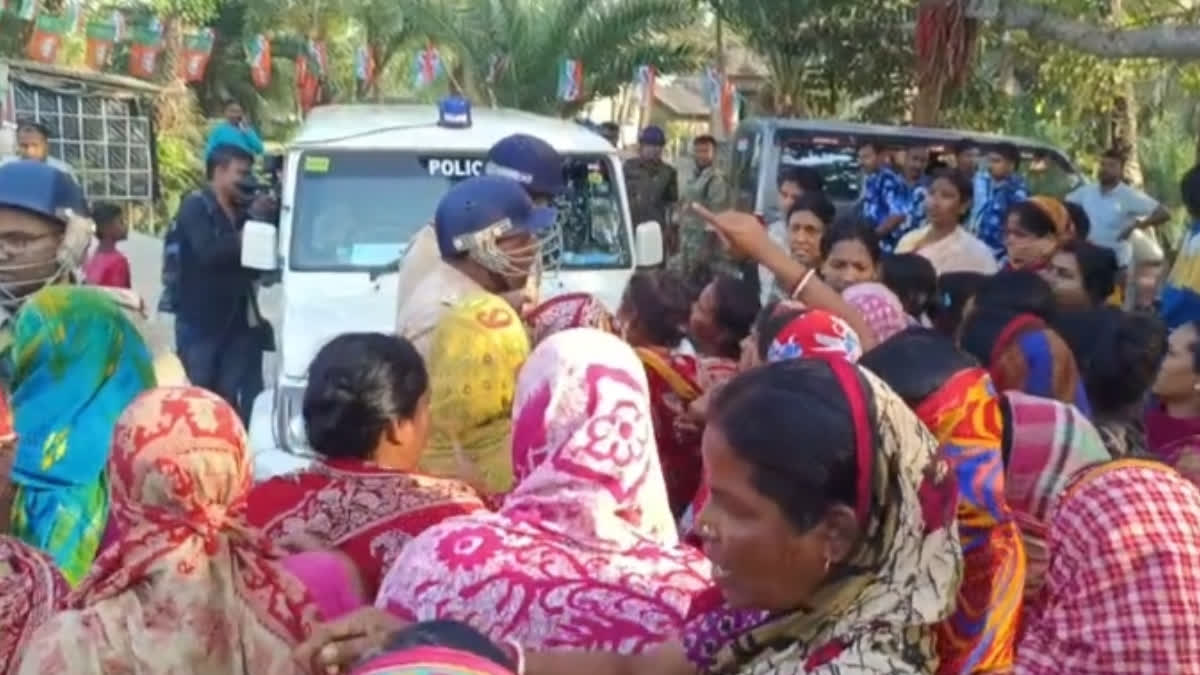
701, 254
653, 185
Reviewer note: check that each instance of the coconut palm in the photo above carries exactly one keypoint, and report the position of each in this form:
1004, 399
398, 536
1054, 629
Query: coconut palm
509, 52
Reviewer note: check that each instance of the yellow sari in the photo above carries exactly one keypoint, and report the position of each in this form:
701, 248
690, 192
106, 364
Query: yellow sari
473, 362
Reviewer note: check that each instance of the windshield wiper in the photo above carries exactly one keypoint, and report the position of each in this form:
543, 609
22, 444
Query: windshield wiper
373, 273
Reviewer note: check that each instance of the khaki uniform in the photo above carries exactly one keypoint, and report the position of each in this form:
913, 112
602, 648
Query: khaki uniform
700, 251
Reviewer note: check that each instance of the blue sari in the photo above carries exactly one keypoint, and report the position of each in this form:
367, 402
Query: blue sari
77, 362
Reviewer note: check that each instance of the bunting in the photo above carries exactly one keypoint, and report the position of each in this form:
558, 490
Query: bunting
258, 53
101, 36
46, 41
197, 50
143, 53
427, 66
570, 80
731, 104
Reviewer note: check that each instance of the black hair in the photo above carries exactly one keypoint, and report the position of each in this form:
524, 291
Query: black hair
358, 384
223, 155
767, 413
1010, 152
808, 178
964, 144
963, 183
851, 228
770, 321
1079, 218
661, 301
916, 362
913, 279
872, 144
1033, 219
1097, 268
610, 126
105, 214
954, 289
816, 203
1017, 292
1195, 324
1118, 355
1189, 190
738, 303
449, 635
1117, 154
705, 138
35, 126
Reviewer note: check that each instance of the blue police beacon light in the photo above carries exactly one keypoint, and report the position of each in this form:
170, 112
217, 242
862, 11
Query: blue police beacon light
454, 112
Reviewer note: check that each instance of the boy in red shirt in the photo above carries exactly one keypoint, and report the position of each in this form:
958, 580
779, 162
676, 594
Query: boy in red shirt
108, 266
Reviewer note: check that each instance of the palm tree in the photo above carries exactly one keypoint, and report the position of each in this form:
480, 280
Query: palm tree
532, 38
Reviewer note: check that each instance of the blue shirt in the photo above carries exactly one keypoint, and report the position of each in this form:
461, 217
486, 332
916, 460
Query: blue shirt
1181, 293
981, 190
1012, 190
879, 195
229, 134
912, 199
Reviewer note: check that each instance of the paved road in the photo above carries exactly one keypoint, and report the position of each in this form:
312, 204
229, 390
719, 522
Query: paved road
145, 259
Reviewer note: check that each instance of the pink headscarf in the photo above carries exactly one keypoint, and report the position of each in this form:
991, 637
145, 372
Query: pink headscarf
880, 308
584, 552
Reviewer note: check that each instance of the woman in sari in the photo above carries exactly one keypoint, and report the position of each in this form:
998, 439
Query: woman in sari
366, 413
583, 552
188, 587
1042, 443
1034, 231
943, 240
570, 310
1173, 420
653, 312
1022, 353
477, 349
31, 591
77, 363
880, 307
841, 559
1122, 591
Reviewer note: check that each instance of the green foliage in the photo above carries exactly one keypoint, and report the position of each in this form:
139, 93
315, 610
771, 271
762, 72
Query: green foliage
824, 54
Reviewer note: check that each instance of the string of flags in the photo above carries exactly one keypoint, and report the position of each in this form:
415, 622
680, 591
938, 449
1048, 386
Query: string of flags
570, 80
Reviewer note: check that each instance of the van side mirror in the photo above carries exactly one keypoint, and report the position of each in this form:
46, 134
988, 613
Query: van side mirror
260, 245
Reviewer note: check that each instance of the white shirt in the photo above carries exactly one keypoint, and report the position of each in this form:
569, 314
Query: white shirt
422, 310
1111, 212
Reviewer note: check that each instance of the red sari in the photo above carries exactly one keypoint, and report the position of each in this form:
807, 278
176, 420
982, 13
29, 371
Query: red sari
675, 381
366, 512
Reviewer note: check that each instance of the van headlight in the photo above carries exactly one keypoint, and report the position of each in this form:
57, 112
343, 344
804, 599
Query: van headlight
289, 419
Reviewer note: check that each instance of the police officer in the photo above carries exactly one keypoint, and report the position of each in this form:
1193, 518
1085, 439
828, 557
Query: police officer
488, 233
530, 161
653, 185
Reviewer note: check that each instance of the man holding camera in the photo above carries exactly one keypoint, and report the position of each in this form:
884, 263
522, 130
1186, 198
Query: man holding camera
219, 333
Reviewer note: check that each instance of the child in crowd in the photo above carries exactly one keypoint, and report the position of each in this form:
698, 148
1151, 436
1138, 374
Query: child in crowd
108, 266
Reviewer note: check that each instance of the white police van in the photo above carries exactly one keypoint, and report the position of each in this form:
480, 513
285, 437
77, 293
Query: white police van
359, 181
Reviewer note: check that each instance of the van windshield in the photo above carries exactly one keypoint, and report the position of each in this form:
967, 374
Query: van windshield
358, 210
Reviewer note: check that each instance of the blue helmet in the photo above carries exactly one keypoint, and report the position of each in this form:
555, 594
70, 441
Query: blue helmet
528, 160
480, 211
41, 189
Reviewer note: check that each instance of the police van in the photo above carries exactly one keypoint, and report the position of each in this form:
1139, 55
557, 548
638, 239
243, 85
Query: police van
359, 181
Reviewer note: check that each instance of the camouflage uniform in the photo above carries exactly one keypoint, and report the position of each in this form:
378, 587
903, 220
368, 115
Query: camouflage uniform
653, 187
701, 254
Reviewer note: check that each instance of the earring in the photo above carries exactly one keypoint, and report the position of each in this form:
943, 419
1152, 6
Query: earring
706, 531
828, 562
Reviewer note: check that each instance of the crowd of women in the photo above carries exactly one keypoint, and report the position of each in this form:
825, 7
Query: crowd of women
898, 465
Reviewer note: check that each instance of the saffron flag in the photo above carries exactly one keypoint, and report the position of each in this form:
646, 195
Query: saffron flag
258, 53
44, 44
730, 106
197, 50
570, 80
101, 35
644, 79
143, 53
427, 67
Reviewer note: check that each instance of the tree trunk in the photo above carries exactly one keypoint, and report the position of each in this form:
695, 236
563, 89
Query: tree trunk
172, 51
1124, 110
928, 103
1164, 41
